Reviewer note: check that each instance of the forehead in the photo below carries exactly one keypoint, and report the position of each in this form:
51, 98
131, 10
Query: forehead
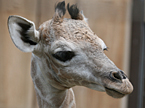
71, 30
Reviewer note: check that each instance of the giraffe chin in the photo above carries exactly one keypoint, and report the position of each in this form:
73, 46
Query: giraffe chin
114, 93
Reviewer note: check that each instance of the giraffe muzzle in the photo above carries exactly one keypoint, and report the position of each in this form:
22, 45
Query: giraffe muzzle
117, 84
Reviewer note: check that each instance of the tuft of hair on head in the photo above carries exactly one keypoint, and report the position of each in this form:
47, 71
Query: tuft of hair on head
59, 11
74, 12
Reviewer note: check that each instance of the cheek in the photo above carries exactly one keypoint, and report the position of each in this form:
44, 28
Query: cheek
73, 75
81, 72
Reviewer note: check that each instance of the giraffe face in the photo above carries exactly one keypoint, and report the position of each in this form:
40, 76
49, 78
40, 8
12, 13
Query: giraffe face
77, 57
69, 52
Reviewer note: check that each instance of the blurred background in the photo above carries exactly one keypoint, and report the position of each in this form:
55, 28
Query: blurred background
120, 23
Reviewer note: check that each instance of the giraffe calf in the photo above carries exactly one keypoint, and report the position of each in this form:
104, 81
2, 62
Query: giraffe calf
66, 53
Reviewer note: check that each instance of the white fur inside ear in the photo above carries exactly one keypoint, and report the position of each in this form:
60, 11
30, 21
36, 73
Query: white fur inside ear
15, 32
84, 18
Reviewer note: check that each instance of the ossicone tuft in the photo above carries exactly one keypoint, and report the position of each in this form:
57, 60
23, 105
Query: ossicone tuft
74, 12
60, 9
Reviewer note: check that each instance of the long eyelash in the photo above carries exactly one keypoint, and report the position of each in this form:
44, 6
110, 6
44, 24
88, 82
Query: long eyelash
105, 49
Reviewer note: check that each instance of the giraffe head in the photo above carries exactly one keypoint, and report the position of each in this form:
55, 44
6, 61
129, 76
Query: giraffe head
73, 53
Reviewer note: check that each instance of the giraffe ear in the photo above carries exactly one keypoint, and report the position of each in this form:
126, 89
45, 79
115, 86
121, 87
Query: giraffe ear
23, 33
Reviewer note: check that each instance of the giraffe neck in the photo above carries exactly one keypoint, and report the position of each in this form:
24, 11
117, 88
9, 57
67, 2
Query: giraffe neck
49, 96
60, 99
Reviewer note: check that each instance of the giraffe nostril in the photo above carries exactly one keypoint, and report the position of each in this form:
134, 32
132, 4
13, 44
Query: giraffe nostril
117, 75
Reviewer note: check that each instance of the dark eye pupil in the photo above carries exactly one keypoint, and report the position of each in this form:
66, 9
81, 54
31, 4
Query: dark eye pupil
64, 55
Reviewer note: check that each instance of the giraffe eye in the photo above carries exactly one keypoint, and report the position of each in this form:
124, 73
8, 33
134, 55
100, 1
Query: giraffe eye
64, 55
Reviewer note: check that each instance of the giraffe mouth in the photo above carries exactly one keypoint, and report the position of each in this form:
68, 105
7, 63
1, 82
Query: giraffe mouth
114, 93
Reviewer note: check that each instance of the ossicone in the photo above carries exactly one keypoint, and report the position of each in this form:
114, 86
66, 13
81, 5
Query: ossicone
73, 10
59, 11
75, 13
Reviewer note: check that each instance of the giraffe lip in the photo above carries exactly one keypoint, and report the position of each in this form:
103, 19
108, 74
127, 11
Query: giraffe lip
114, 93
